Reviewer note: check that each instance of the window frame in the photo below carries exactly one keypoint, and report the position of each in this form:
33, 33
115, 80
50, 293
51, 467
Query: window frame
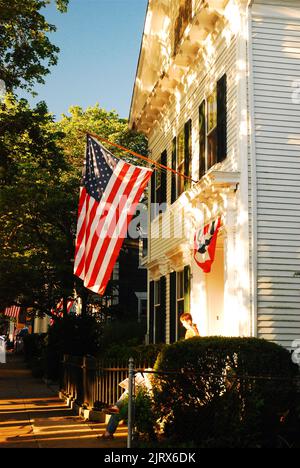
156, 307
159, 195
210, 146
180, 166
182, 160
180, 302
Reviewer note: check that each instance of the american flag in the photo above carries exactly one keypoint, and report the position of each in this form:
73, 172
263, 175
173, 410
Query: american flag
12, 311
110, 192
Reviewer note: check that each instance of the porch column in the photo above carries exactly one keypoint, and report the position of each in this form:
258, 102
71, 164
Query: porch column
231, 267
199, 299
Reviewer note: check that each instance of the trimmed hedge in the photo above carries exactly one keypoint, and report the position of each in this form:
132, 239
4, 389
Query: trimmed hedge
227, 392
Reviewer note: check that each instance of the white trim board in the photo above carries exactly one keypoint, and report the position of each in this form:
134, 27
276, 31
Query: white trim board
278, 12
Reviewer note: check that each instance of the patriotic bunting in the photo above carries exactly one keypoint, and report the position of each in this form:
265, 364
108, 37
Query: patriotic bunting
205, 241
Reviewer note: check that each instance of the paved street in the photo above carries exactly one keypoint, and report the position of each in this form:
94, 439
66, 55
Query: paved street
32, 415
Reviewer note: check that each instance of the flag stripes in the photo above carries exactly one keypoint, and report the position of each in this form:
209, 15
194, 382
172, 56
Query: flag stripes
12, 311
108, 262
58, 311
111, 230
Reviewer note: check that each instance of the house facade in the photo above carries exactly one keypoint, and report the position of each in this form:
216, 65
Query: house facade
217, 94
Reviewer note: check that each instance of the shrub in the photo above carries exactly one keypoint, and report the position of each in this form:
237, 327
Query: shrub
213, 399
144, 415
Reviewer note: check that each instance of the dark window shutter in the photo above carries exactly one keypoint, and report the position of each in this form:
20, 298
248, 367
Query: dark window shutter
173, 307
174, 165
187, 288
164, 178
152, 212
160, 319
187, 152
202, 138
222, 118
151, 313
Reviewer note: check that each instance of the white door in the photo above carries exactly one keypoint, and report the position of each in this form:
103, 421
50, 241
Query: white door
215, 293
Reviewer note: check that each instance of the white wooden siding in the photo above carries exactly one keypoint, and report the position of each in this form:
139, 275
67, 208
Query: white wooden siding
276, 69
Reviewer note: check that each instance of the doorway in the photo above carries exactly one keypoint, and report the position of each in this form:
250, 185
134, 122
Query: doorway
215, 292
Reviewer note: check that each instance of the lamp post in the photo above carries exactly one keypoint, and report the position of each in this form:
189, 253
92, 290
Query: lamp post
130, 401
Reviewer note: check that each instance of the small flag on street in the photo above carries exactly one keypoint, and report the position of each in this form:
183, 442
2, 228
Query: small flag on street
59, 309
205, 242
109, 195
12, 312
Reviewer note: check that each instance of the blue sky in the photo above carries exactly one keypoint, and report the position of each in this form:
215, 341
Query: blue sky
99, 43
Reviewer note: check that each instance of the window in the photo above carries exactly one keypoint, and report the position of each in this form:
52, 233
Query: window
202, 139
157, 310
179, 301
156, 295
144, 247
143, 308
143, 251
174, 177
159, 188
180, 293
180, 163
181, 160
213, 128
187, 153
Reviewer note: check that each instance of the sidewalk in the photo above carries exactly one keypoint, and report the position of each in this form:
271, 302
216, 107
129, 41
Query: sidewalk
32, 415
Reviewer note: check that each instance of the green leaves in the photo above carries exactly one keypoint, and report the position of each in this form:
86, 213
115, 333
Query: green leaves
40, 168
33, 238
26, 52
62, 5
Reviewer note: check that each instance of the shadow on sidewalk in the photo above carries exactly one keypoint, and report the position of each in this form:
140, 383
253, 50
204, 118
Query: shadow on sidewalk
31, 415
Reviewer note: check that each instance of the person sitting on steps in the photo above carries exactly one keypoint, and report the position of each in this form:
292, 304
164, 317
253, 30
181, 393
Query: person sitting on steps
141, 381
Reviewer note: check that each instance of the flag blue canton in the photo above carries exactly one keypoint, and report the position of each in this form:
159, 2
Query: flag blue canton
98, 170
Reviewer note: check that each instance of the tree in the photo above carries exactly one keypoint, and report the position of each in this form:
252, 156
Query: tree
26, 52
40, 170
36, 210
104, 123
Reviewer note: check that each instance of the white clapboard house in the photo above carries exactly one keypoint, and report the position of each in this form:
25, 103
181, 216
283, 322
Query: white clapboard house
217, 92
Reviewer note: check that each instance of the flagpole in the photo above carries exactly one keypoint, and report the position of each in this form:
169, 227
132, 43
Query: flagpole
137, 155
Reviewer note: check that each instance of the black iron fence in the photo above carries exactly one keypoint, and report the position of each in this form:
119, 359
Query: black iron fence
94, 382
